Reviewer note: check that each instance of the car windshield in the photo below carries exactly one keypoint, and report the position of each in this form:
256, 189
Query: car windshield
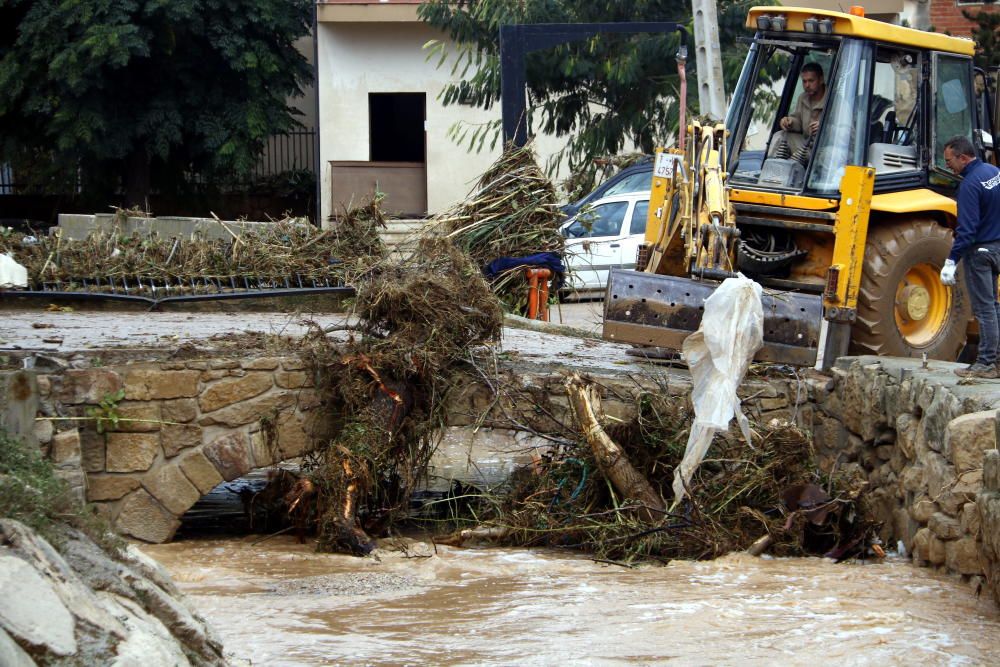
640, 181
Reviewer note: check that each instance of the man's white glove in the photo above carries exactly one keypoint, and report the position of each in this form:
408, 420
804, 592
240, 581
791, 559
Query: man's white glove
948, 273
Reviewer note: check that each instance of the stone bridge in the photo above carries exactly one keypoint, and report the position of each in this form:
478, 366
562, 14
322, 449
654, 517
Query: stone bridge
171, 431
924, 441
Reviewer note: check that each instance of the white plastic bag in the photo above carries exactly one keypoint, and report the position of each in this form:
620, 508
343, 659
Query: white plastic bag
718, 354
12, 274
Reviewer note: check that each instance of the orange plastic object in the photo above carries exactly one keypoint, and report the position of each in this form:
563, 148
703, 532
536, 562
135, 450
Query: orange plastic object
538, 293
857, 10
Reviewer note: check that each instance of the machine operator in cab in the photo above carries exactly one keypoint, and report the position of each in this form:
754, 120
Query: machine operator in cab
803, 123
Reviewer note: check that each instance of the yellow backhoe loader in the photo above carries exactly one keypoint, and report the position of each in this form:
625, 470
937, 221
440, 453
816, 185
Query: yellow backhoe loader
846, 228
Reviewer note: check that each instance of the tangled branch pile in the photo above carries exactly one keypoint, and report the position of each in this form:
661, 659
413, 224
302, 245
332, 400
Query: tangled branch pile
284, 249
738, 495
512, 212
418, 321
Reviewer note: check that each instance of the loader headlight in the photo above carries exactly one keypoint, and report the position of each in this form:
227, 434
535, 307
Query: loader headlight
778, 23
826, 27
810, 25
764, 22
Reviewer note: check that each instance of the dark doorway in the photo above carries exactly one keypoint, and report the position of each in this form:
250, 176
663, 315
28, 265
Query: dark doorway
396, 126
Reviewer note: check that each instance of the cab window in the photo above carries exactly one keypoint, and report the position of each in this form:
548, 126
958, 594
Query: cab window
952, 102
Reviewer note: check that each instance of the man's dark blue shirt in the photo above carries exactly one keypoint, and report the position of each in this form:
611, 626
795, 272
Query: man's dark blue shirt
978, 207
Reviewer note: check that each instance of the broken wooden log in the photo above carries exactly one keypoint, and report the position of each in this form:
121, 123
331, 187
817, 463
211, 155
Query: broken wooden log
632, 484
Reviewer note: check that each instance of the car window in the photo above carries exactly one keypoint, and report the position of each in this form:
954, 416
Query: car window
637, 182
600, 220
639, 215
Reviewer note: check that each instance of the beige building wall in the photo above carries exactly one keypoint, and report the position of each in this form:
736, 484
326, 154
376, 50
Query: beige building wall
357, 58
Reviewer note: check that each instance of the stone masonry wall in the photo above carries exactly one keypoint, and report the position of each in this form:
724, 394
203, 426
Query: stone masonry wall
183, 427
919, 436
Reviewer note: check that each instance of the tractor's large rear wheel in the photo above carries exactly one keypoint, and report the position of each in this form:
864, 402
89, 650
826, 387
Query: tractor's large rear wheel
903, 309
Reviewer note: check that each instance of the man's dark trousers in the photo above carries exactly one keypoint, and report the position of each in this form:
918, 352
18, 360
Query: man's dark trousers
982, 267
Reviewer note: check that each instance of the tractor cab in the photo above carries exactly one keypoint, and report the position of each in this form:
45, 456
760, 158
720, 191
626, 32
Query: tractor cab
882, 101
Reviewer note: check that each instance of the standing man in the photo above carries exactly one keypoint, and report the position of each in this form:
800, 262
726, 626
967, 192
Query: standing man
804, 121
977, 246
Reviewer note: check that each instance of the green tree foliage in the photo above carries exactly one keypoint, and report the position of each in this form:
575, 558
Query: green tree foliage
602, 93
132, 94
986, 34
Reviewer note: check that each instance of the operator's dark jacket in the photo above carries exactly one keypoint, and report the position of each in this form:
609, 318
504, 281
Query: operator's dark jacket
978, 207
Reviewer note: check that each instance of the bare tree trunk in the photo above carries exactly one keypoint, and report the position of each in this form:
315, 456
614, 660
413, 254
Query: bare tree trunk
629, 482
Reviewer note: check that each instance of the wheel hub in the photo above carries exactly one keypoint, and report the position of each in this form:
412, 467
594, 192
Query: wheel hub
914, 303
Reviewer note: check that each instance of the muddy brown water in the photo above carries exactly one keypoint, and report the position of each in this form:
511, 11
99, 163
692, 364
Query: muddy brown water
280, 603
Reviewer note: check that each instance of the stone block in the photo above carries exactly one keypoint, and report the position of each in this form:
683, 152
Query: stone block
223, 363
93, 446
938, 473
923, 509
912, 479
230, 454
19, 404
262, 452
149, 384
943, 409
200, 471
964, 490
110, 487
293, 439
197, 365
66, 448
208, 376
178, 437
308, 399
250, 411
89, 385
292, 364
292, 379
76, 480
138, 417
44, 386
906, 434
962, 556
234, 390
131, 452
181, 410
968, 437
970, 519
44, 430
945, 527
171, 487
261, 363
921, 546
145, 519
936, 553
991, 471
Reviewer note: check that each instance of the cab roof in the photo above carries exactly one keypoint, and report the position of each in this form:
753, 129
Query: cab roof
865, 28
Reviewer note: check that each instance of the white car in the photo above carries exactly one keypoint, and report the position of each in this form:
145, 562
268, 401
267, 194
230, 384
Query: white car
604, 235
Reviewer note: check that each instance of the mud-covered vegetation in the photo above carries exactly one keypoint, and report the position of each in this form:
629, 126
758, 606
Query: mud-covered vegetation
739, 495
287, 250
